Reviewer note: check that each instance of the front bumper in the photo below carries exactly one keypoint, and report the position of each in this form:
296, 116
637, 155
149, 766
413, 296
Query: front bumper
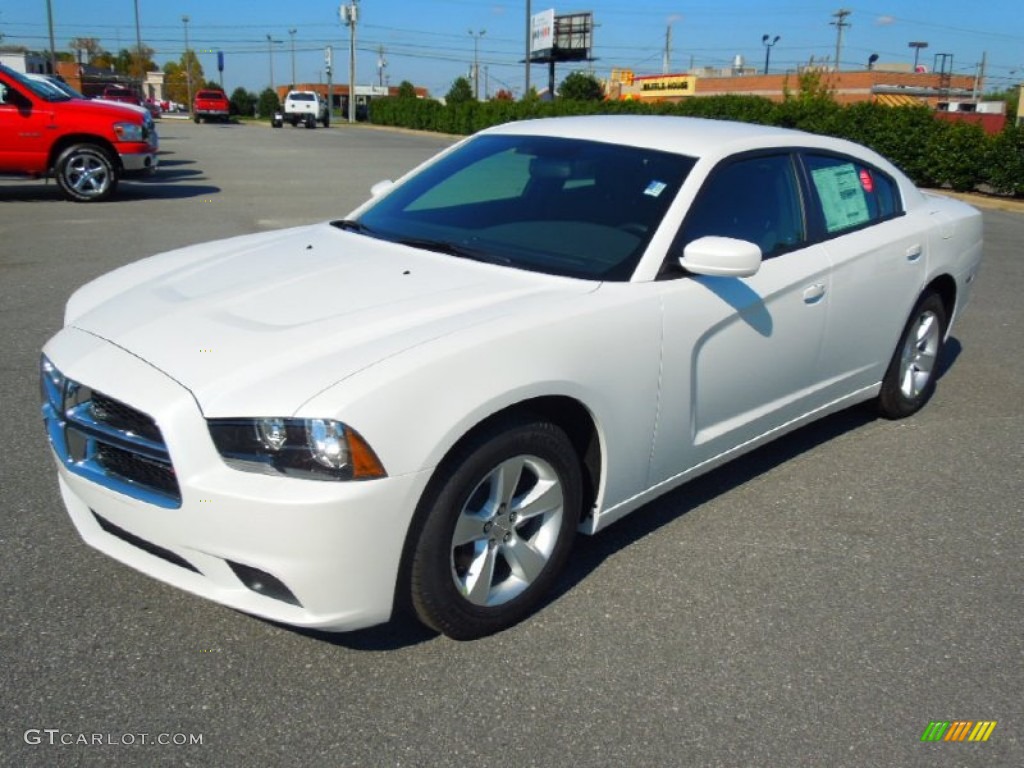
308, 553
139, 159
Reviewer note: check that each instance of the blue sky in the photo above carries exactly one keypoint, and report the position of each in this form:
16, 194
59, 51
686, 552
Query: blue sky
430, 44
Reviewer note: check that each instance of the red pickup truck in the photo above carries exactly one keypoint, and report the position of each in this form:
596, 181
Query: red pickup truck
210, 104
85, 145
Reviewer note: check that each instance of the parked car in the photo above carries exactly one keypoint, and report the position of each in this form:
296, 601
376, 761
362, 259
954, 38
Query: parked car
122, 95
88, 147
302, 107
209, 105
532, 334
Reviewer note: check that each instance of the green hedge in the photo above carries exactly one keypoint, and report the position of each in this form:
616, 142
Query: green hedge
932, 152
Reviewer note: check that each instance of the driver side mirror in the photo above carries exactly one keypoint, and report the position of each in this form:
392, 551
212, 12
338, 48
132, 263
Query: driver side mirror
721, 257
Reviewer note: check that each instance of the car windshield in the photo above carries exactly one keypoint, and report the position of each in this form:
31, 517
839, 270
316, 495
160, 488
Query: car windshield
45, 89
560, 206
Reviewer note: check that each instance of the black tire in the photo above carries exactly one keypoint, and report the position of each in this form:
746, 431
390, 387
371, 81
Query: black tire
327, 119
196, 118
86, 173
310, 122
505, 505
910, 378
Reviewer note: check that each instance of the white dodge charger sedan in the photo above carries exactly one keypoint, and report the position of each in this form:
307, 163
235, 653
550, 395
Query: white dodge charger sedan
531, 335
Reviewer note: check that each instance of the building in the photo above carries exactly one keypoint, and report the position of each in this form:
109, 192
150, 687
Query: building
846, 87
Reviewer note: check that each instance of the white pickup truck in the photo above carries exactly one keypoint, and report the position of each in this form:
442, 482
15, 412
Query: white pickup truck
304, 107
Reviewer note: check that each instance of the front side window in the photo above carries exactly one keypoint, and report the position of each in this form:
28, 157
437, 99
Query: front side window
756, 199
850, 195
561, 206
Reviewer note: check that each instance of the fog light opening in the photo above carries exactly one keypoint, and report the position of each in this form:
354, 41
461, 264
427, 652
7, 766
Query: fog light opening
262, 583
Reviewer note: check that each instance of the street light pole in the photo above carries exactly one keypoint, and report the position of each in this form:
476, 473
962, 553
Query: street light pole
292, 32
188, 66
270, 56
476, 61
768, 43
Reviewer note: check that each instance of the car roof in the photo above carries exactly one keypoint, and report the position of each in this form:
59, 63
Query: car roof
692, 136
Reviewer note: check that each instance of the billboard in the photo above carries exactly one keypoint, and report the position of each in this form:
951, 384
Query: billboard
542, 32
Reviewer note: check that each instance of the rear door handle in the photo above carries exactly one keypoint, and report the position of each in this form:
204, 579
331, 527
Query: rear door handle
814, 293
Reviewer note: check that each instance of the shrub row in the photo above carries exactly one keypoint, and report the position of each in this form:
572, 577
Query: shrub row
933, 153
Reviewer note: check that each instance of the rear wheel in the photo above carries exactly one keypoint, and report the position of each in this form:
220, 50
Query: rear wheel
497, 530
310, 121
86, 173
910, 379
327, 119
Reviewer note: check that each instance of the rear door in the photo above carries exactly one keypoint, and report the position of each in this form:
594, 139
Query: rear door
879, 263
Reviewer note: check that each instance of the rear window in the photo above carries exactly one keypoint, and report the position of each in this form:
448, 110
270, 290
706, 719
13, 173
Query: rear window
210, 95
302, 97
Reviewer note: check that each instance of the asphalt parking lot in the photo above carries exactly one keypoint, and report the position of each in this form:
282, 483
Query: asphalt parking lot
818, 602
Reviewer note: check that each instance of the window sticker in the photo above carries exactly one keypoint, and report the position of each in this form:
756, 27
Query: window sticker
655, 188
842, 196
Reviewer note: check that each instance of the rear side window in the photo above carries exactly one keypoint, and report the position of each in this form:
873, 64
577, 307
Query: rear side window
850, 195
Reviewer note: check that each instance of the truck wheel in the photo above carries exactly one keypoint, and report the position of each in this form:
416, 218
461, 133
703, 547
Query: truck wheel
310, 121
327, 119
196, 118
85, 173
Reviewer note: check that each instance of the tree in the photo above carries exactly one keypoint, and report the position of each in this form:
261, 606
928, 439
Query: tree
243, 102
175, 80
581, 86
406, 90
461, 92
269, 103
90, 47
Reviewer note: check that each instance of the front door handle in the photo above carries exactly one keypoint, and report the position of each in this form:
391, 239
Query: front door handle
814, 293
914, 252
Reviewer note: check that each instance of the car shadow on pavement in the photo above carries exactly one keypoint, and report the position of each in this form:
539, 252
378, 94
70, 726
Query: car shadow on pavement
589, 552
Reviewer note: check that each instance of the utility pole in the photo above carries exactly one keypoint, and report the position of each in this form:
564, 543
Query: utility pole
476, 61
329, 66
349, 16
138, 41
270, 56
529, 34
979, 77
53, 47
840, 24
382, 64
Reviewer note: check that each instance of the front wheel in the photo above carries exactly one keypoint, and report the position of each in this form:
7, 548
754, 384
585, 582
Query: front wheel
498, 526
85, 173
910, 379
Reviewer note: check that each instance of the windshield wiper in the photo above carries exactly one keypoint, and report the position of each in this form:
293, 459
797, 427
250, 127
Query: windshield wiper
352, 225
452, 249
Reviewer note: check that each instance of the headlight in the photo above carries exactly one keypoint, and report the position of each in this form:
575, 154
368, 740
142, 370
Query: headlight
129, 132
317, 449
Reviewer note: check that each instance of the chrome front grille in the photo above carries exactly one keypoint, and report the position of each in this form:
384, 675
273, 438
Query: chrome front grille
107, 441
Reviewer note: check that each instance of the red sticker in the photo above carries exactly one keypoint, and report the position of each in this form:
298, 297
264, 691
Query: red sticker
866, 181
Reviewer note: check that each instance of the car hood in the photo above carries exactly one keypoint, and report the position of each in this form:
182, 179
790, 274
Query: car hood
257, 325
